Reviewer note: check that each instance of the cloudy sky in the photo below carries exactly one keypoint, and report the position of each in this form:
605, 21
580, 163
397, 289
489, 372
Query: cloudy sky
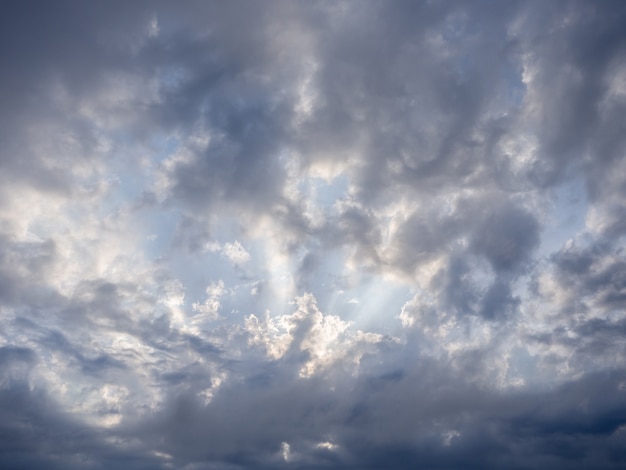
313, 235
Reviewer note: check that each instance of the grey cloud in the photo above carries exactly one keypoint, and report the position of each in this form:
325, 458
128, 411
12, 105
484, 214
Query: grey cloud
589, 285
595, 274
23, 269
241, 165
547, 433
503, 234
308, 266
458, 289
574, 61
66, 46
35, 435
506, 237
422, 238
191, 234
499, 301
87, 362
368, 73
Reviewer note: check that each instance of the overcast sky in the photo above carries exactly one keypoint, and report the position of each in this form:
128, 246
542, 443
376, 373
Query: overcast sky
313, 235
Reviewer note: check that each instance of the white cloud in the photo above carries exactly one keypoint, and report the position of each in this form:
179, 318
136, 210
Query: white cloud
236, 253
209, 309
327, 339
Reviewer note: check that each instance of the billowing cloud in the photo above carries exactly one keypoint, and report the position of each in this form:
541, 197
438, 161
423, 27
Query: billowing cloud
312, 235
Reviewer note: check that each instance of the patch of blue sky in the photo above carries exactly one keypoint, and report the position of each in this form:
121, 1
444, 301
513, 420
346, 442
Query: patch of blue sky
522, 365
210, 265
128, 176
127, 179
372, 303
159, 228
379, 304
126, 186
162, 147
326, 193
171, 77
198, 271
566, 218
515, 87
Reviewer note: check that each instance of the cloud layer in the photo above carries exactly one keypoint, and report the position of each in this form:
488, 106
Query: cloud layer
343, 235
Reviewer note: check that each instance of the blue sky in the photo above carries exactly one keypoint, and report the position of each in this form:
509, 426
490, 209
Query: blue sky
312, 235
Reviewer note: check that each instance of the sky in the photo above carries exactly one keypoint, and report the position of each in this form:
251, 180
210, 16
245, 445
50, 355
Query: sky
312, 235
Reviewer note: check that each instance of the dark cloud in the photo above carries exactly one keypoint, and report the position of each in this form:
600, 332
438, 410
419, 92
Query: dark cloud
442, 422
499, 300
573, 57
59, 56
506, 238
